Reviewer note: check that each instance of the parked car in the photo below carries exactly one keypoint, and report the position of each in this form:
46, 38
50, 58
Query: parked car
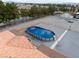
76, 15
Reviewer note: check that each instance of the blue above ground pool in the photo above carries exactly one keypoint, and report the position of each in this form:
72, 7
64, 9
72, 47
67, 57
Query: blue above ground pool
40, 33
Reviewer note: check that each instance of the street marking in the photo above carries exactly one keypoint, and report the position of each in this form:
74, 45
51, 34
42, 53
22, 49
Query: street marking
59, 39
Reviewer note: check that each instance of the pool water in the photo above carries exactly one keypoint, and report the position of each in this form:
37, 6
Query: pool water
40, 32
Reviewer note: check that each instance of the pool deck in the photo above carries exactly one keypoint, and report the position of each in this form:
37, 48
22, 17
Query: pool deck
66, 40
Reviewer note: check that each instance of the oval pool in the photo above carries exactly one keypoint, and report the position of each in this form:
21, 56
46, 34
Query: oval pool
41, 33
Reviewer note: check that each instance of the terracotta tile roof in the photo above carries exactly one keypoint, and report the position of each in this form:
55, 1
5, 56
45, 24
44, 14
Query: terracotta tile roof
17, 46
20, 41
20, 52
5, 37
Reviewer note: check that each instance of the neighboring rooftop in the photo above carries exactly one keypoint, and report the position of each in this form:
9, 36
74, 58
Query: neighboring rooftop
17, 46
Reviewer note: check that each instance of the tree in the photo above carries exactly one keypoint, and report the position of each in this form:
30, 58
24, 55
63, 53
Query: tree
11, 11
44, 11
8, 12
51, 9
34, 10
25, 12
1, 11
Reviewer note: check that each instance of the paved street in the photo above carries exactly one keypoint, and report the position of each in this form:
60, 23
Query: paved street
55, 21
69, 45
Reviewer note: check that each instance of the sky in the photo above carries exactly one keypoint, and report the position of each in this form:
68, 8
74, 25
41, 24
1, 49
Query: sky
43, 1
